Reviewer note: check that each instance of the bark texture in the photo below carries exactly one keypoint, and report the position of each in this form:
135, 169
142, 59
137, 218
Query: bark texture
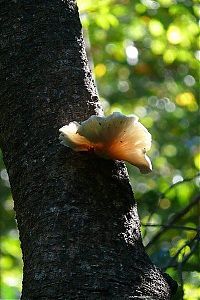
76, 214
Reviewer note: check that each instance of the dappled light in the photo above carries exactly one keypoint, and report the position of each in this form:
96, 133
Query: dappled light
145, 60
151, 62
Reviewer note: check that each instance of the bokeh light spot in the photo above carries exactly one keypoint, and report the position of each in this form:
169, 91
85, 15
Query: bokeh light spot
177, 178
140, 111
169, 150
185, 99
158, 47
197, 54
100, 70
123, 86
189, 80
151, 4
197, 161
169, 56
132, 55
165, 203
174, 35
156, 28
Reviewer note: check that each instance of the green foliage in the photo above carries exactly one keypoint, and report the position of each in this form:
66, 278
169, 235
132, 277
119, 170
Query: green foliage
10, 252
146, 61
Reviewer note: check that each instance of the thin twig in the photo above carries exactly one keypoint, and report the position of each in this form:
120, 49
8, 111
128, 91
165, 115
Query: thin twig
178, 183
175, 264
192, 250
188, 243
173, 219
162, 195
180, 273
172, 226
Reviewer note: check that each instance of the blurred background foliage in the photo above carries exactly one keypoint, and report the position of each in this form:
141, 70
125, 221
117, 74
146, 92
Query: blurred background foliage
145, 57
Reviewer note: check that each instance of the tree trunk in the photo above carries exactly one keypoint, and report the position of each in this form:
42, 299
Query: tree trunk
76, 214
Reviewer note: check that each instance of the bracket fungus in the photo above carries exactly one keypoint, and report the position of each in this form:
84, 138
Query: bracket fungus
113, 137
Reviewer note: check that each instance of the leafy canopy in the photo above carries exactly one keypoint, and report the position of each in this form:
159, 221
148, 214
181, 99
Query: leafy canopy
145, 57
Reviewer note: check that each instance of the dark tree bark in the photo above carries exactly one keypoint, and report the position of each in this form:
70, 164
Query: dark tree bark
76, 214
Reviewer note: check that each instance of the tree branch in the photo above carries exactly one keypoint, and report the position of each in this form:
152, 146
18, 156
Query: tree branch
192, 243
172, 226
162, 195
173, 220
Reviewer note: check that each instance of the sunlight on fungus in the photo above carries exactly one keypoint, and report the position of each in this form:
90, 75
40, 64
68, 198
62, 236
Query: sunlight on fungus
117, 137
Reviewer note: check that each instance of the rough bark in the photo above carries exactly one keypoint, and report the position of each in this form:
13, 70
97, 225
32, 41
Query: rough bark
76, 214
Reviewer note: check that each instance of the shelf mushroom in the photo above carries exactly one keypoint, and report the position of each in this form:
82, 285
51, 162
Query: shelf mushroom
116, 136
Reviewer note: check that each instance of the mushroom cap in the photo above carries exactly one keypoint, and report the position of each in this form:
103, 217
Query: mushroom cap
116, 136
